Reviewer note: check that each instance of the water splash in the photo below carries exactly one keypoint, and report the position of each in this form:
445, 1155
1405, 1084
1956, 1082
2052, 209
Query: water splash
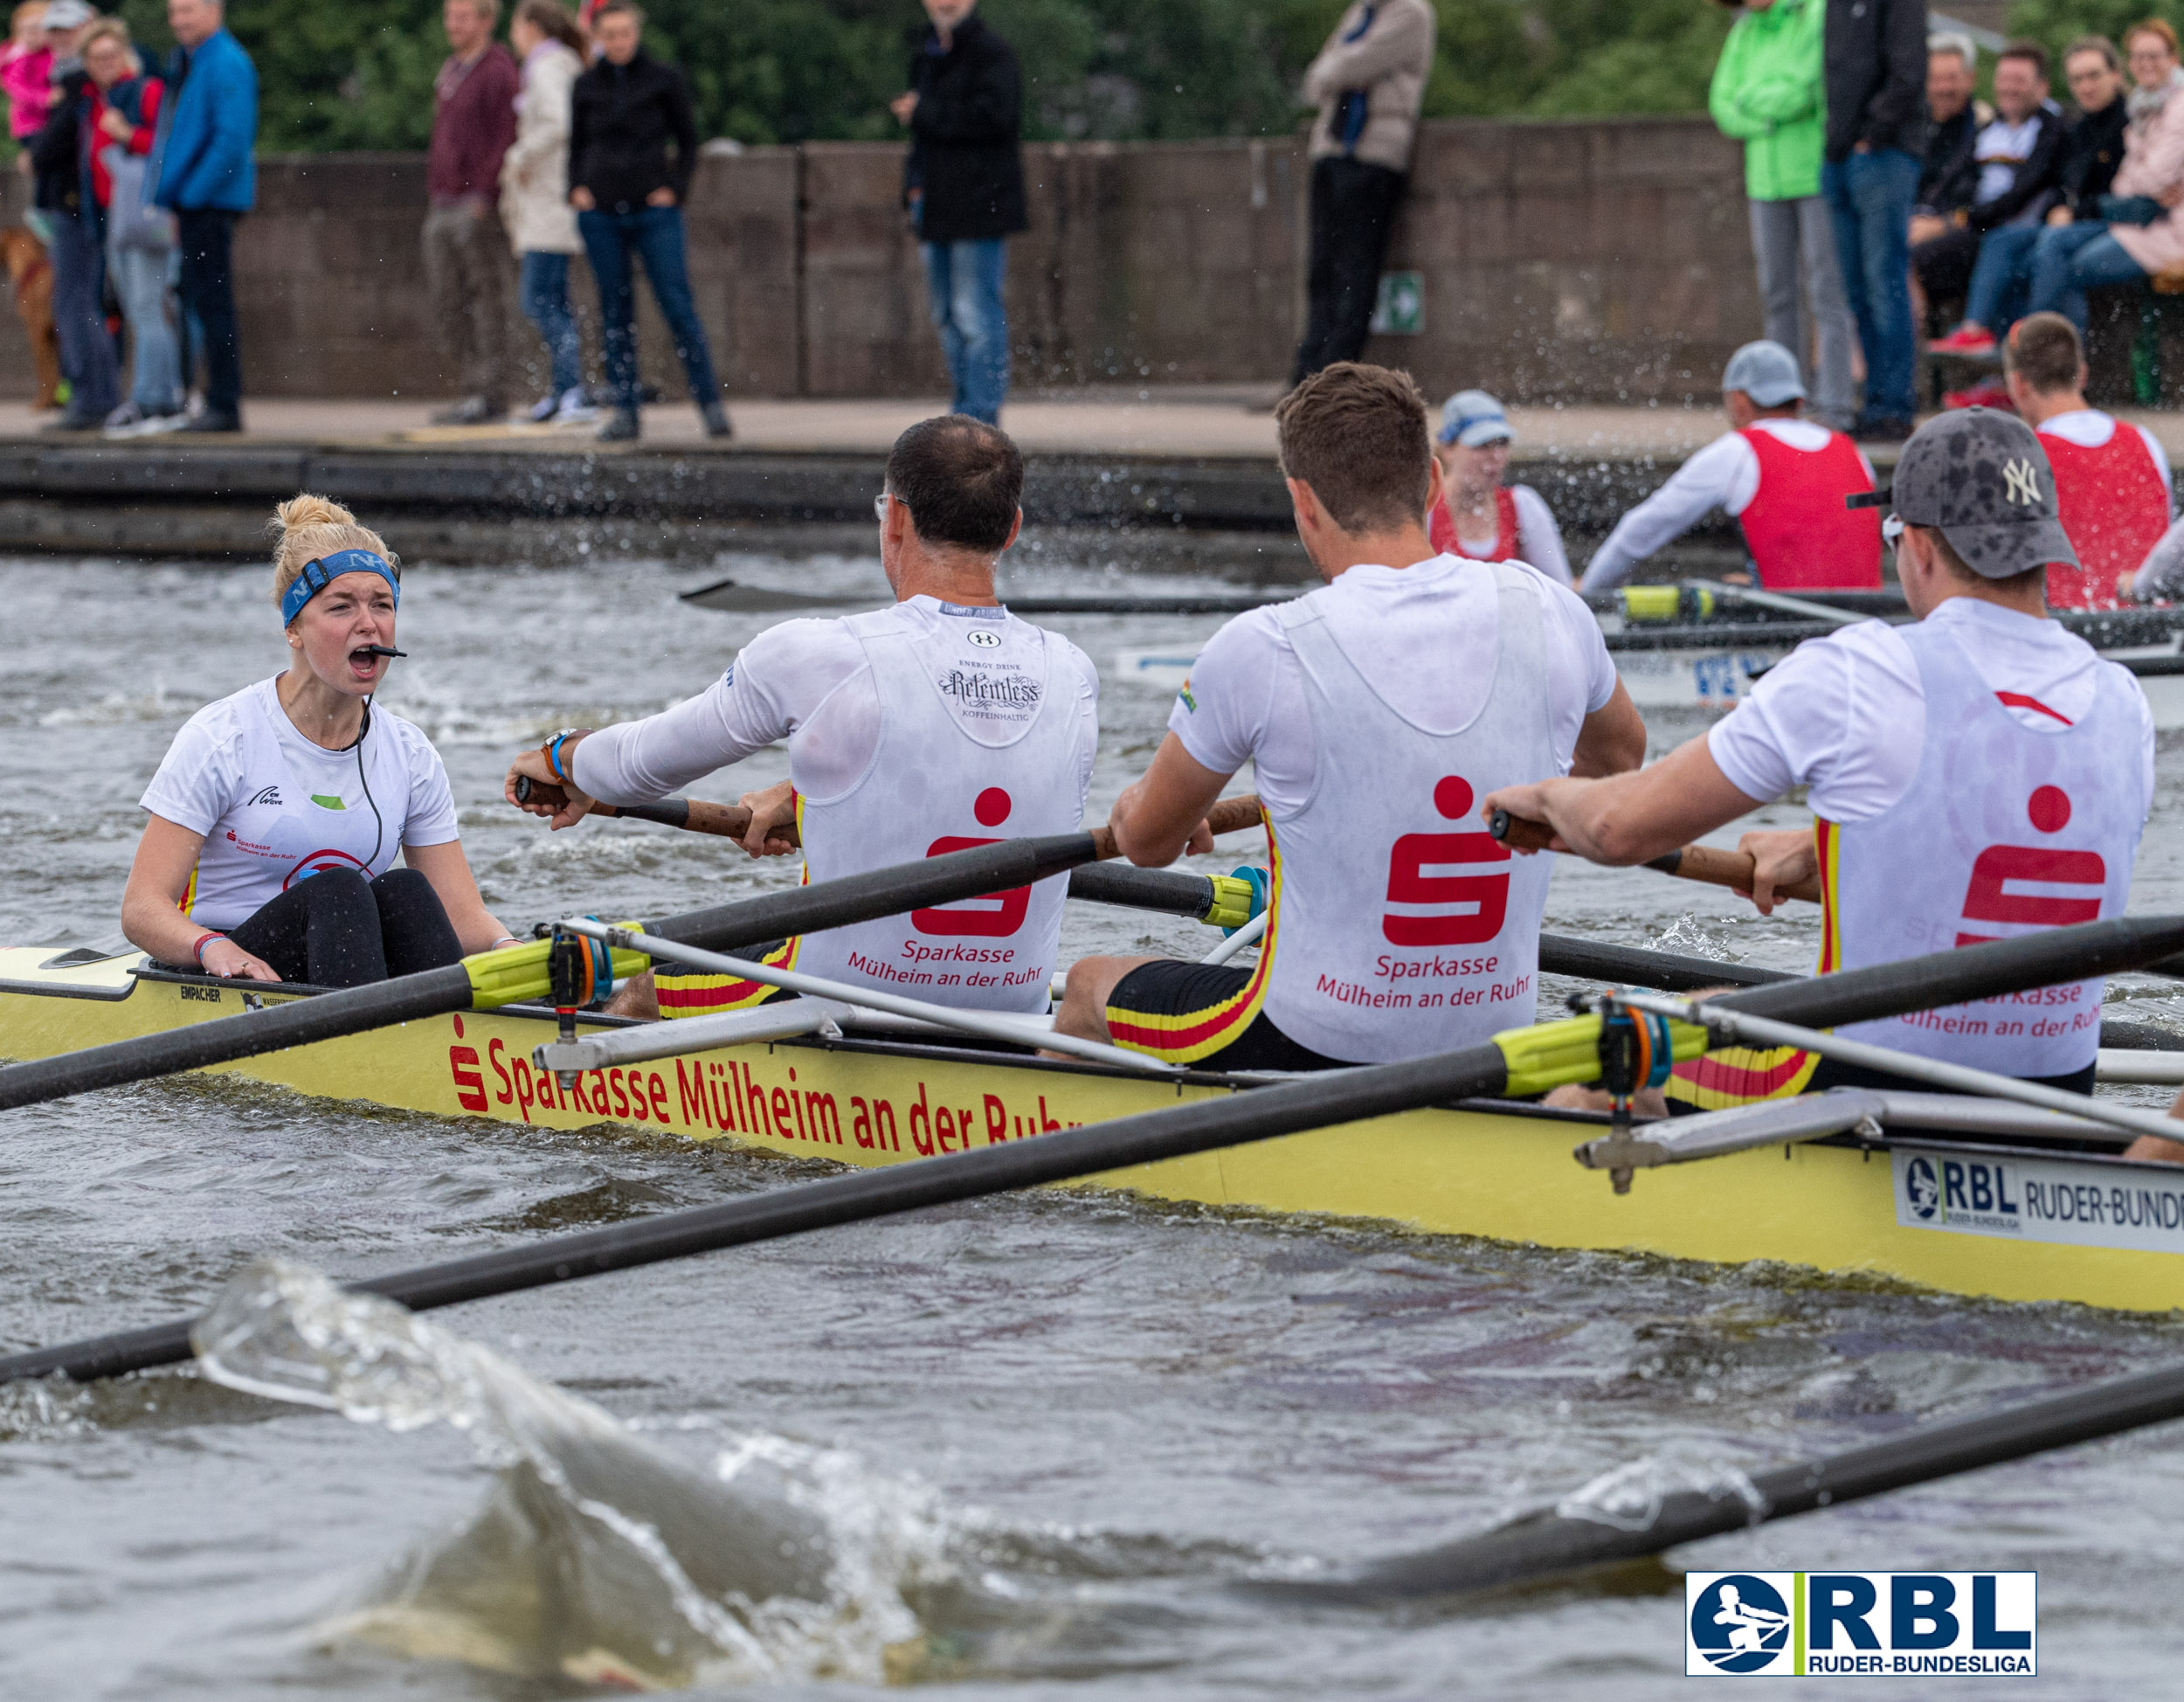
594, 1557
1685, 935
1629, 1498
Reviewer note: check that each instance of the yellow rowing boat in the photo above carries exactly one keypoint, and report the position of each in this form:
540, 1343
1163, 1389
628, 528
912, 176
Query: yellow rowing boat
2011, 1219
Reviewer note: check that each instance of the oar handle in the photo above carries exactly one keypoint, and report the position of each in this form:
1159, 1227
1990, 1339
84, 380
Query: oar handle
1694, 863
1231, 815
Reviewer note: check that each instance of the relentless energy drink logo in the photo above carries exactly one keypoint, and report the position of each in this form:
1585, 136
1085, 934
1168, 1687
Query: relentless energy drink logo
1859, 1624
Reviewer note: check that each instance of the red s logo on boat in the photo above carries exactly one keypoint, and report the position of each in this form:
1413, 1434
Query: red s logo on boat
470, 1085
1989, 898
1467, 908
994, 917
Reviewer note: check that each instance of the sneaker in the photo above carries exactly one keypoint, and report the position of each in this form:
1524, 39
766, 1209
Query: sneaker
575, 407
123, 421
471, 411
213, 419
716, 418
1987, 393
1965, 339
158, 425
543, 409
622, 428
1883, 428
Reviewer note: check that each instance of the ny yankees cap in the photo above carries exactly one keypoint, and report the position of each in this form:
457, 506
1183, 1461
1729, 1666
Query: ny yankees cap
1765, 371
1981, 476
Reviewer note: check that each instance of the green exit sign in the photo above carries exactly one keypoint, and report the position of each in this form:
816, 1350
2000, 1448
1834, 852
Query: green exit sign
1401, 311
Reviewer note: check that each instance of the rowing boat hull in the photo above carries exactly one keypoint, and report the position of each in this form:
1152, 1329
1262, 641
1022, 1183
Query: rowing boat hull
1502, 1173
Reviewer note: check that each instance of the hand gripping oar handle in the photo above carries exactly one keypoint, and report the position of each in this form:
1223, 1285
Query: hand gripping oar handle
1694, 863
1231, 815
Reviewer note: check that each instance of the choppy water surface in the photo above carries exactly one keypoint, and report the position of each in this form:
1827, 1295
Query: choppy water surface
1024, 1447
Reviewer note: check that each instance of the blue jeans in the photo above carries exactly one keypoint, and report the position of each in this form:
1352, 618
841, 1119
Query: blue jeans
963, 286
1870, 196
546, 305
652, 235
2073, 259
87, 351
140, 279
2002, 281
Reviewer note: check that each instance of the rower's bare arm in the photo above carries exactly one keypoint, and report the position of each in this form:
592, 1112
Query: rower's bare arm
448, 870
532, 765
151, 906
1781, 857
1613, 739
773, 831
1164, 814
1631, 817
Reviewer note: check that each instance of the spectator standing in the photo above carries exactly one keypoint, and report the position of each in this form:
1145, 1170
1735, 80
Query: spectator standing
26, 72
2008, 179
1768, 92
963, 182
2138, 233
63, 192
2112, 480
2092, 151
207, 178
1478, 516
1876, 132
115, 131
628, 194
535, 208
468, 273
1367, 83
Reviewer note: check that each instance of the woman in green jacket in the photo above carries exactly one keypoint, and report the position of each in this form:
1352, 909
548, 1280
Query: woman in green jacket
1769, 93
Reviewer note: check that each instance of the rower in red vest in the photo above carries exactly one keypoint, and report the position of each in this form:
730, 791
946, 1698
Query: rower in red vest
1476, 515
2112, 480
1783, 478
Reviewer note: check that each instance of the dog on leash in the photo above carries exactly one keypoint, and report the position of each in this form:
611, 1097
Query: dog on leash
33, 275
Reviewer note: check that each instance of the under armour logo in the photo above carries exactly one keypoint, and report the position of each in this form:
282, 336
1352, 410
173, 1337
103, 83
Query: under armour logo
2022, 483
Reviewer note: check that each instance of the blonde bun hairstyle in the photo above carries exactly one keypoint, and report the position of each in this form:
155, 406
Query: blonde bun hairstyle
308, 528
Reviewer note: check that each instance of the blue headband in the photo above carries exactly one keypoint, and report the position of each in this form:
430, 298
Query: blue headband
317, 575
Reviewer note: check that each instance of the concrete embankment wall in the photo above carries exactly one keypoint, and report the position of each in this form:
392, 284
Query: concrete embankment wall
1602, 262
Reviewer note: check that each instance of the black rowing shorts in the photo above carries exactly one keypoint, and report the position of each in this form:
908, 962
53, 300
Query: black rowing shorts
1206, 1015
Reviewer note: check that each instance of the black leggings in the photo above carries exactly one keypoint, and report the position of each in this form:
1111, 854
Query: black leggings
338, 929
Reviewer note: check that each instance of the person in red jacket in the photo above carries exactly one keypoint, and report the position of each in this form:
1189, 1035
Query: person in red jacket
2112, 480
1783, 478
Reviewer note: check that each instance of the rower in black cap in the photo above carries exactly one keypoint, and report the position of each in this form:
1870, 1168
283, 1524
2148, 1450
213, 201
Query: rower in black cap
1978, 775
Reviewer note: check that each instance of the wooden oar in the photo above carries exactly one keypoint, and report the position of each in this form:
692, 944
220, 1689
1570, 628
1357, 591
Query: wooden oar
1547, 1544
1693, 863
516, 972
1230, 815
1519, 1062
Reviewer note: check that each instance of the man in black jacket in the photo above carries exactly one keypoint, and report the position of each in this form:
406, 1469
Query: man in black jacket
2009, 177
963, 185
77, 247
1876, 131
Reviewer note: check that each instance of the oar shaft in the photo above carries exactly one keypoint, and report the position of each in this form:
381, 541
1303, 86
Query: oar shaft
1716, 868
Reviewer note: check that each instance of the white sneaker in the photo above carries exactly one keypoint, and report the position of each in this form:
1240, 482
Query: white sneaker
123, 421
573, 410
542, 411
158, 425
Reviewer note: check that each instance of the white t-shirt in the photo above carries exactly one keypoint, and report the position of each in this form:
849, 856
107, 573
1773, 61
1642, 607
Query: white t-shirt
2090, 428
2000, 149
809, 682
1539, 539
1245, 699
275, 807
1725, 475
1846, 715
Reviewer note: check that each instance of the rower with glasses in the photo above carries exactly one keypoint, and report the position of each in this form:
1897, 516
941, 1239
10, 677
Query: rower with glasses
940, 723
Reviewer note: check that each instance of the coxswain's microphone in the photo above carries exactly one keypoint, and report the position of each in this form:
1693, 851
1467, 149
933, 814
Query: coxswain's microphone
381, 650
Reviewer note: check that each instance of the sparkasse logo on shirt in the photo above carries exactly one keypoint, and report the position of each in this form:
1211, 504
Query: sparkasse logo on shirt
1859, 1624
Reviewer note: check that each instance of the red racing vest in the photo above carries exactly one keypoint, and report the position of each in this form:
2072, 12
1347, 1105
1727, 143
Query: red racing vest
1506, 548
2112, 503
1801, 536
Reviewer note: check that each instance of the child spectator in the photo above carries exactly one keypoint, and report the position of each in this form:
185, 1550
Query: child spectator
27, 71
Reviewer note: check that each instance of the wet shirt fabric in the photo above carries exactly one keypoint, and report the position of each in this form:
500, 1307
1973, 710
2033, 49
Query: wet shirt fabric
274, 808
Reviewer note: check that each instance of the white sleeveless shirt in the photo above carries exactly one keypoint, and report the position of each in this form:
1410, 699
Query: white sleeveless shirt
979, 738
1400, 927
2008, 829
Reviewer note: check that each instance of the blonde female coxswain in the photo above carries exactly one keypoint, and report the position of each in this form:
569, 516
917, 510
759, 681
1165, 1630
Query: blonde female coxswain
278, 812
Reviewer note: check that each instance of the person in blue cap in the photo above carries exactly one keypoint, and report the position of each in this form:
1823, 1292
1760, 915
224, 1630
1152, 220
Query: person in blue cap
1783, 478
1477, 517
278, 812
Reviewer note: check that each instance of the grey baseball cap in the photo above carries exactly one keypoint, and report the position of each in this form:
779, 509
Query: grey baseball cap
1473, 420
1981, 476
68, 15
1765, 371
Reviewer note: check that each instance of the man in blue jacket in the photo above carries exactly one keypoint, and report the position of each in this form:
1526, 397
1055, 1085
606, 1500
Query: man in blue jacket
208, 127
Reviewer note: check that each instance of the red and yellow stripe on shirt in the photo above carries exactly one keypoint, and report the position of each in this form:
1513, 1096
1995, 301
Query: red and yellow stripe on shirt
1195, 1034
1743, 1075
692, 993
